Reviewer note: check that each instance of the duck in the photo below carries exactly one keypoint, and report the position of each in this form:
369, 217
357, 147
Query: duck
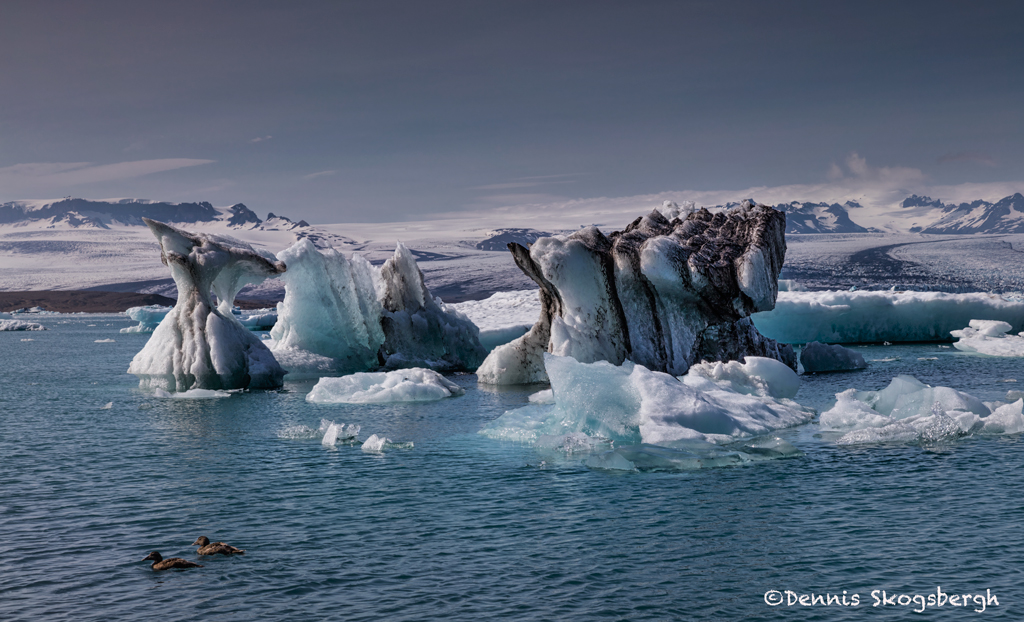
213, 548
159, 563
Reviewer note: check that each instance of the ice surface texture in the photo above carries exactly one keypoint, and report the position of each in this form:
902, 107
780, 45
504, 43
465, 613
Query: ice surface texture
403, 385
197, 345
329, 321
419, 330
148, 318
989, 337
664, 294
12, 325
874, 317
910, 411
630, 404
819, 357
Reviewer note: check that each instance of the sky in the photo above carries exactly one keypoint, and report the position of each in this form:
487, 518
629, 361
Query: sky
402, 110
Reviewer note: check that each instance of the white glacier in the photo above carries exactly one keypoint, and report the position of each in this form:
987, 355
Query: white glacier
818, 357
402, 385
877, 316
989, 337
197, 345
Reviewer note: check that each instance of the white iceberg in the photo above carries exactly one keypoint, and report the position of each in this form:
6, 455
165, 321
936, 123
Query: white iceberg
197, 345
333, 432
148, 318
19, 325
631, 404
402, 385
819, 357
329, 321
989, 337
875, 317
503, 316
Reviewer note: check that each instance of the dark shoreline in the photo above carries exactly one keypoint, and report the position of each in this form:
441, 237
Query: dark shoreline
79, 301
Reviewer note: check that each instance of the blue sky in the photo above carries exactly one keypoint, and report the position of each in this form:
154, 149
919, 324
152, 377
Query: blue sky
375, 111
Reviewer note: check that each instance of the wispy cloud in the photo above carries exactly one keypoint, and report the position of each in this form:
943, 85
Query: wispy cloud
967, 156
56, 174
260, 139
319, 174
529, 182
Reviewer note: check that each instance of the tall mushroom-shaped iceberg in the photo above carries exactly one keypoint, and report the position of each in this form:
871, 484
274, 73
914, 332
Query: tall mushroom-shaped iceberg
198, 345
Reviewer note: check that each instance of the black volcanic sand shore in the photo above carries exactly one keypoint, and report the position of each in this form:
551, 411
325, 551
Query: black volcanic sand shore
80, 302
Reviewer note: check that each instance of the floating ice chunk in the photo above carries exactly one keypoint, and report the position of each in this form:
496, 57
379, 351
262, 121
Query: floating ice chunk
191, 394
198, 346
104, 341
757, 376
28, 339
852, 413
148, 318
420, 330
403, 385
329, 321
13, 325
261, 319
818, 357
632, 404
989, 337
542, 397
333, 432
1007, 419
376, 444
872, 317
107, 406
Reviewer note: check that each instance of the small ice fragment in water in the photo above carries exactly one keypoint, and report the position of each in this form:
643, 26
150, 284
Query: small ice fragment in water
104, 341
928, 358
1004, 380
28, 339
333, 432
374, 443
107, 406
191, 394
543, 397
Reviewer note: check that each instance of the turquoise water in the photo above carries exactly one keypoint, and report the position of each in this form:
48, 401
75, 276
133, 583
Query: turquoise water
460, 527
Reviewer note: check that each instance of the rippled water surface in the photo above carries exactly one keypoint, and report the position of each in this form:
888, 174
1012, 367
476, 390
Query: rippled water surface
461, 527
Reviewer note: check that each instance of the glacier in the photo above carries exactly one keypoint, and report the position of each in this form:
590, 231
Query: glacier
199, 345
877, 316
908, 410
989, 337
596, 403
403, 385
661, 293
818, 357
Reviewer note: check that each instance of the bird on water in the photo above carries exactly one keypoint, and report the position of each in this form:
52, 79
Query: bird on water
215, 548
159, 563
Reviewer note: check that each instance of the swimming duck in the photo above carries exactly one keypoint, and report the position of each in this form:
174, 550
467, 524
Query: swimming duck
213, 548
159, 563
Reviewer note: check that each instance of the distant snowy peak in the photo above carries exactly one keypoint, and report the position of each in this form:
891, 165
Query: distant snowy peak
75, 213
1004, 216
820, 218
499, 239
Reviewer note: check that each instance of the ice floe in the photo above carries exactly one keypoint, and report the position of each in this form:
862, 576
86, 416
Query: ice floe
191, 394
403, 385
989, 337
19, 325
874, 316
819, 357
148, 318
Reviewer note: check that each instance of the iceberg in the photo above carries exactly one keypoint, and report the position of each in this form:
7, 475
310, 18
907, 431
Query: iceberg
503, 316
631, 405
663, 293
989, 337
819, 357
403, 385
148, 318
910, 411
875, 317
329, 321
198, 345
259, 320
420, 330
19, 325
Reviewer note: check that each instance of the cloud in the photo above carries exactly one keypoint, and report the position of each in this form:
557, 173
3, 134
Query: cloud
57, 174
529, 182
967, 156
260, 139
320, 174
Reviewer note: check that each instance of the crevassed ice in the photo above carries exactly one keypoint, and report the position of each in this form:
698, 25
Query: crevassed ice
402, 385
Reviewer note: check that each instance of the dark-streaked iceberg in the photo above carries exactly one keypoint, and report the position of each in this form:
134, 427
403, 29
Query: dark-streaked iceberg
664, 294
198, 345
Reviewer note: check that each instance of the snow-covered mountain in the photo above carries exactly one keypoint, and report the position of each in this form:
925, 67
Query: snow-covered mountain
76, 213
1003, 216
820, 218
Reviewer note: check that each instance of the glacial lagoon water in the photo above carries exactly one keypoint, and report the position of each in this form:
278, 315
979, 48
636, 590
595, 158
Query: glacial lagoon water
461, 527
